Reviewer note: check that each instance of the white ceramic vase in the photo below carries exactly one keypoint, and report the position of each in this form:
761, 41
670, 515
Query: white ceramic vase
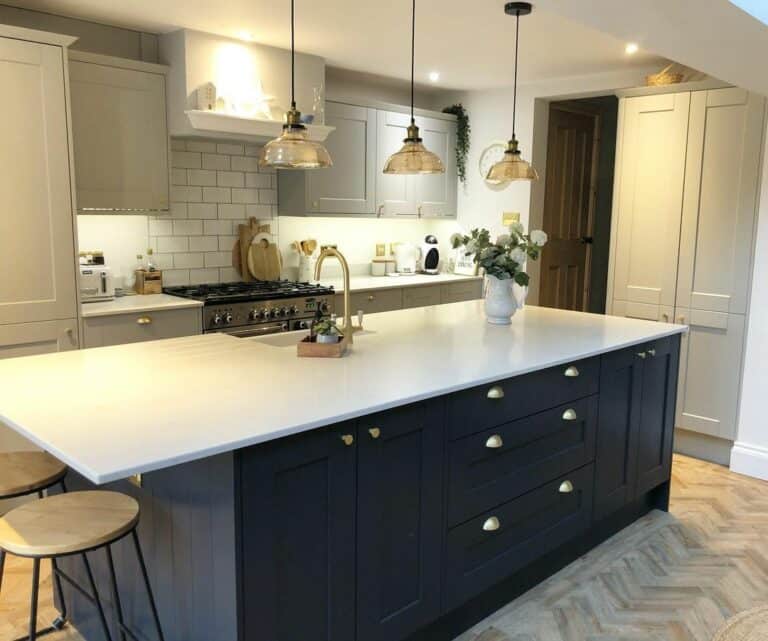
500, 303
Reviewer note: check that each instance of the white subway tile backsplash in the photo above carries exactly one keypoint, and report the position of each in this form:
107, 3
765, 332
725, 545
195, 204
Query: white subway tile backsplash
245, 163
231, 179
188, 260
245, 196
256, 181
217, 195
204, 243
202, 210
217, 185
186, 160
214, 161
231, 212
181, 194
204, 177
169, 244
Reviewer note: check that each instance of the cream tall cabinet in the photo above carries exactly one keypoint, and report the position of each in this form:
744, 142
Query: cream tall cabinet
684, 217
38, 302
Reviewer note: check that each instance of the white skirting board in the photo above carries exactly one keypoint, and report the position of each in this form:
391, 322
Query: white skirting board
751, 460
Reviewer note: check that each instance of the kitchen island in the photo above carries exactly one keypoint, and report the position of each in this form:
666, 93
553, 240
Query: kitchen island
400, 492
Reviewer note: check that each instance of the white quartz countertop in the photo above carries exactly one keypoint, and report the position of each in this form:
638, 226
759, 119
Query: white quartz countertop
115, 411
368, 283
137, 304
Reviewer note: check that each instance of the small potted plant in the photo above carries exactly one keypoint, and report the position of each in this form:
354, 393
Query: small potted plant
326, 331
504, 264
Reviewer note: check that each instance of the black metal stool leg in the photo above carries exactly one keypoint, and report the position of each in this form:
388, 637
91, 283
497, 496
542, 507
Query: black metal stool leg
33, 604
97, 599
60, 621
143, 565
115, 593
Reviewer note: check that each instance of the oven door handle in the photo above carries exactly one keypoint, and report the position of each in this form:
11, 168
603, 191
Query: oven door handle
258, 331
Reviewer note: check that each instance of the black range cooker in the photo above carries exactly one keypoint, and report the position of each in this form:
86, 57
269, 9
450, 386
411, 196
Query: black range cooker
258, 307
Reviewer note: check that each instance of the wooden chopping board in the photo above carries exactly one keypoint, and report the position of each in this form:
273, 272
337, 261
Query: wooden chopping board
264, 258
267, 262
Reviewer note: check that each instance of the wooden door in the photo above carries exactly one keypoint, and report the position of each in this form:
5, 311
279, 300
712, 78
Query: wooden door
569, 208
37, 245
710, 372
657, 414
349, 186
395, 195
621, 380
399, 521
436, 194
297, 509
121, 138
719, 210
648, 198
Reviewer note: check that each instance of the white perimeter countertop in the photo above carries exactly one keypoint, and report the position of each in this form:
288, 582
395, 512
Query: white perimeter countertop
115, 411
137, 304
368, 283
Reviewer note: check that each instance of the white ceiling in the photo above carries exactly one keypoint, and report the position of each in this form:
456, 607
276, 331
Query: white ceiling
469, 43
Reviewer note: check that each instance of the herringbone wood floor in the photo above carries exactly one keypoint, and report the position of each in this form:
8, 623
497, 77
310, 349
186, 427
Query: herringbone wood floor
669, 577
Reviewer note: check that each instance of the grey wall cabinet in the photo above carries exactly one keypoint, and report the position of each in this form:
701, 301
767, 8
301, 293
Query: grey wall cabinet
120, 134
702, 199
365, 137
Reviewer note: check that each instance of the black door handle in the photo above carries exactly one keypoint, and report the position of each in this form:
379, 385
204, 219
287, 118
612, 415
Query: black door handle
586, 240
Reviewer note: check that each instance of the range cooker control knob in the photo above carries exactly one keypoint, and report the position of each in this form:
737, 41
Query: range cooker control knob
282, 312
216, 320
293, 310
271, 313
227, 318
324, 307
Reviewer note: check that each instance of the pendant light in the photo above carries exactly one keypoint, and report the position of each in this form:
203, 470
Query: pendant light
512, 166
413, 157
293, 149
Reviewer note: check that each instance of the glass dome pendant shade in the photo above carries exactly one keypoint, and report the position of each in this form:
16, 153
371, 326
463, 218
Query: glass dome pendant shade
293, 149
511, 167
414, 157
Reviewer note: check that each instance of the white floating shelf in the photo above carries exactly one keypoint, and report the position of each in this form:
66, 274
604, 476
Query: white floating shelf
212, 123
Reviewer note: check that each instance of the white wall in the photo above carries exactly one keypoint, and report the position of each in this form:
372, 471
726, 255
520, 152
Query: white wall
120, 237
750, 452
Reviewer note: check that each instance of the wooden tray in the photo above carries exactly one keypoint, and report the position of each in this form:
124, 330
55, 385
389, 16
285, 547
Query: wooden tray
311, 349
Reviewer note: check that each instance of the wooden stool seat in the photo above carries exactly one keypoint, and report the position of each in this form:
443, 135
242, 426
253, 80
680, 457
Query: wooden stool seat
28, 472
67, 523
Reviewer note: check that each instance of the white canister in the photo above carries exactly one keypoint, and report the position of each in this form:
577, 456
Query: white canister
307, 268
378, 267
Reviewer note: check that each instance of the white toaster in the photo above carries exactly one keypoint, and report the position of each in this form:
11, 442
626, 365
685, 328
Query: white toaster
96, 283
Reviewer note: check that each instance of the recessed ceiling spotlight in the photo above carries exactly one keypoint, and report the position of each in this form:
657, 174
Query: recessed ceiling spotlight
434, 76
631, 48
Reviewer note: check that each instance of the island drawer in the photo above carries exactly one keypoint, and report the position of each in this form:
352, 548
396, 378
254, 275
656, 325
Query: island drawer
422, 296
498, 543
100, 331
371, 302
480, 408
500, 464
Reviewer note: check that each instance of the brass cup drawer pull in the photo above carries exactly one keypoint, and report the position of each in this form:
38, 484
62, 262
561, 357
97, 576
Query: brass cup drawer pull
144, 320
566, 487
570, 415
571, 372
495, 393
491, 524
494, 442
348, 439
375, 432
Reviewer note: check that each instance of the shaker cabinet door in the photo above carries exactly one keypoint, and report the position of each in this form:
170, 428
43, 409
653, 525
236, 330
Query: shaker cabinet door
395, 195
649, 193
37, 245
120, 136
297, 510
719, 209
399, 521
349, 186
436, 193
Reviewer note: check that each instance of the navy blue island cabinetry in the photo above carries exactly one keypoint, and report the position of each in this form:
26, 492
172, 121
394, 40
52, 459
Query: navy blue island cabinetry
413, 523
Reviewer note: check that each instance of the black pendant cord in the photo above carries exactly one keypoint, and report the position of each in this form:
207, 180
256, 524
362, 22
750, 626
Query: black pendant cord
413, 54
293, 55
514, 91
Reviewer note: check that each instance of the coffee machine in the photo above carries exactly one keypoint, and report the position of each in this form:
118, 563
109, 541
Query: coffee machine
430, 255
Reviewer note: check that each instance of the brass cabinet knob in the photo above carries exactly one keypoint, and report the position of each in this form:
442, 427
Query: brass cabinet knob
642, 354
491, 524
570, 415
572, 371
371, 297
375, 432
652, 352
566, 487
494, 442
496, 392
144, 320
348, 439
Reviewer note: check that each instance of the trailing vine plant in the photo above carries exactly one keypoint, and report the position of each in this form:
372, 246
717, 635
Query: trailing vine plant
462, 138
